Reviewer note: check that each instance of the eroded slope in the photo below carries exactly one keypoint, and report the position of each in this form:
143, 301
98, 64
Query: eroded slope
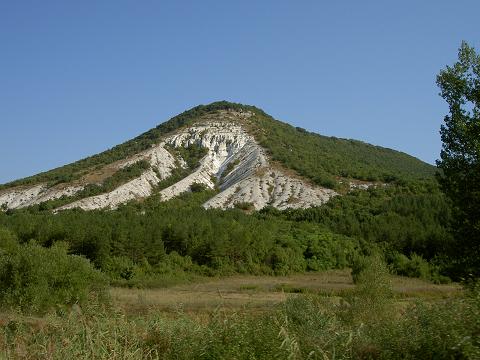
235, 164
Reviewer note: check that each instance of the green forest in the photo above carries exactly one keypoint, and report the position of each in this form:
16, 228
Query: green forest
149, 243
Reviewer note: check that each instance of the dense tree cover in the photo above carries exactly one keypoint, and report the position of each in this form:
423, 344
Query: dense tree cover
211, 241
408, 219
409, 223
460, 155
323, 159
320, 158
144, 241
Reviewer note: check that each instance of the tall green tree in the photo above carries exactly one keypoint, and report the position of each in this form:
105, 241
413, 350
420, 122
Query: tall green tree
460, 156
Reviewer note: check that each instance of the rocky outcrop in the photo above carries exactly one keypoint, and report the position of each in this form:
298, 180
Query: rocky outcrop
235, 163
134, 189
28, 196
162, 163
271, 188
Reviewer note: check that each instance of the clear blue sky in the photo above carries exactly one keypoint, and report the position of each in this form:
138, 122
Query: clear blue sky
77, 77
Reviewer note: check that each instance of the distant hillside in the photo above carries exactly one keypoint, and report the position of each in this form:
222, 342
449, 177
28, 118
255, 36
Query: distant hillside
319, 158
323, 159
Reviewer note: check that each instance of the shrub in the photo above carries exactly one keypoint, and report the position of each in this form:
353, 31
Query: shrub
372, 299
416, 266
287, 260
246, 206
34, 278
303, 327
198, 187
443, 330
8, 241
120, 267
328, 251
230, 166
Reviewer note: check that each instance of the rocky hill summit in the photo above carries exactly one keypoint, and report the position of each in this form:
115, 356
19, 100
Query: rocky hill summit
238, 151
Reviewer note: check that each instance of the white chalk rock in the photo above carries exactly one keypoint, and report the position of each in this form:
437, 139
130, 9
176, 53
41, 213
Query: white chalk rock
235, 162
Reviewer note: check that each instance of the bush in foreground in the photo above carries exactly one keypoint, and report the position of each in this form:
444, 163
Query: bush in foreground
35, 279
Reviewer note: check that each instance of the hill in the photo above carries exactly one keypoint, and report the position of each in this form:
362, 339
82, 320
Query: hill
251, 158
185, 192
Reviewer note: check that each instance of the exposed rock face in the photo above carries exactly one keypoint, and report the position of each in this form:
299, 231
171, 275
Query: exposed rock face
160, 160
19, 197
235, 163
136, 188
222, 139
272, 188
23, 197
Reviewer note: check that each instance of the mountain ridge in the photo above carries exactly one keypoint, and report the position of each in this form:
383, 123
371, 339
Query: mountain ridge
321, 165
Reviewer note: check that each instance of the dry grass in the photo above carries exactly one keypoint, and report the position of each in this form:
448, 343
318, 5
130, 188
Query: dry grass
215, 319
259, 293
411, 288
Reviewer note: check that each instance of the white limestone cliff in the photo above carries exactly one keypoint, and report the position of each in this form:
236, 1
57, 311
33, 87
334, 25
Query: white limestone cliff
234, 162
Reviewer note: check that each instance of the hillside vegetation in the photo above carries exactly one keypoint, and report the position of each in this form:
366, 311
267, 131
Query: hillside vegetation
146, 243
323, 159
319, 158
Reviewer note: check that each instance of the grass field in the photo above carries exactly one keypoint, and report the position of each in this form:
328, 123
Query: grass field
314, 315
254, 293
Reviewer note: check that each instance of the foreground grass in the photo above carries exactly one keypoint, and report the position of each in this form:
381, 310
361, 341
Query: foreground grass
362, 322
